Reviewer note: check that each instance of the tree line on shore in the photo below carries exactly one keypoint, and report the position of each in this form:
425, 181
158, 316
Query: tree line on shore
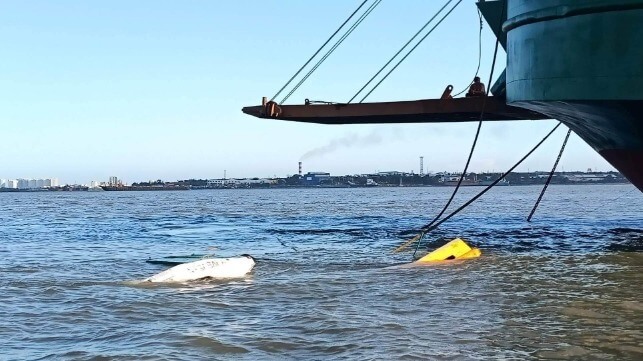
409, 179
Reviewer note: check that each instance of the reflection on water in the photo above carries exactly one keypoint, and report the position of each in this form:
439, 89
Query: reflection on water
566, 286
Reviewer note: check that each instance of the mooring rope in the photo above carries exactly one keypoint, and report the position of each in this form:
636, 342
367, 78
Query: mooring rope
459, 209
430, 225
551, 175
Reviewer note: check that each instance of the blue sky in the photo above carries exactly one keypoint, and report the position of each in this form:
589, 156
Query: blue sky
154, 89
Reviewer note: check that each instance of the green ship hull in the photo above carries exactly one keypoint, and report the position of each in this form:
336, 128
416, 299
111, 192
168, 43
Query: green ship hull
581, 62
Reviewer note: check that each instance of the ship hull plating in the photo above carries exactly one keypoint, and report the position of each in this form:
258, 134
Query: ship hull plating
581, 62
613, 128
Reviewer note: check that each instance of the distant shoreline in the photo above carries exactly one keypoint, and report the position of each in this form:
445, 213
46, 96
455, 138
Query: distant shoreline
166, 189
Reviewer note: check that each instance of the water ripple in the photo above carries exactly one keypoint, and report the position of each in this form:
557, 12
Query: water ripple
326, 286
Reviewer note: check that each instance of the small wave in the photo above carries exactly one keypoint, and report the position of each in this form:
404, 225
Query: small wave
626, 231
214, 345
349, 231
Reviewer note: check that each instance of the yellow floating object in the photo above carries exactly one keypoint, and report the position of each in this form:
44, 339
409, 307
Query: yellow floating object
455, 249
473, 253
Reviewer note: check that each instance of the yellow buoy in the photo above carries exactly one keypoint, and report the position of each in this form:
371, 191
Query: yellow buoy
455, 249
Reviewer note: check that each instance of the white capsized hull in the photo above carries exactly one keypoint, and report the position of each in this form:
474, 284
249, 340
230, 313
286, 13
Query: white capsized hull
234, 267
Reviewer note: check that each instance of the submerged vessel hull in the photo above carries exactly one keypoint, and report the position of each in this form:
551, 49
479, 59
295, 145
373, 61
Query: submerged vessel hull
216, 268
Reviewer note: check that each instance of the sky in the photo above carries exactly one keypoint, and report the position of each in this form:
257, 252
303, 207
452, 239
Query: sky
154, 89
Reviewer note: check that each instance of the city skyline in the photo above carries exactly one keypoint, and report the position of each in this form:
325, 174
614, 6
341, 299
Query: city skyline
132, 89
386, 178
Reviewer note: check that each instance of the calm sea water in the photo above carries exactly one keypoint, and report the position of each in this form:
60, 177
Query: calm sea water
566, 286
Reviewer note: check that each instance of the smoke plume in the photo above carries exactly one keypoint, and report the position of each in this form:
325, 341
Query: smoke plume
348, 141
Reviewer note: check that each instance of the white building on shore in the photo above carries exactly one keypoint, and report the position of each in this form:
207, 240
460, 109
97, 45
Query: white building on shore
22, 183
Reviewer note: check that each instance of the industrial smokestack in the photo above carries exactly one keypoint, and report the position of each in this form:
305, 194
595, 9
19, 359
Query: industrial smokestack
421, 166
300, 169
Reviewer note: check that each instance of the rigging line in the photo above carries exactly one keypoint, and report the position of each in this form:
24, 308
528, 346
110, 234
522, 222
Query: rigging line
318, 50
427, 227
479, 55
410, 51
497, 180
551, 175
475, 140
399, 51
332, 49
459, 209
